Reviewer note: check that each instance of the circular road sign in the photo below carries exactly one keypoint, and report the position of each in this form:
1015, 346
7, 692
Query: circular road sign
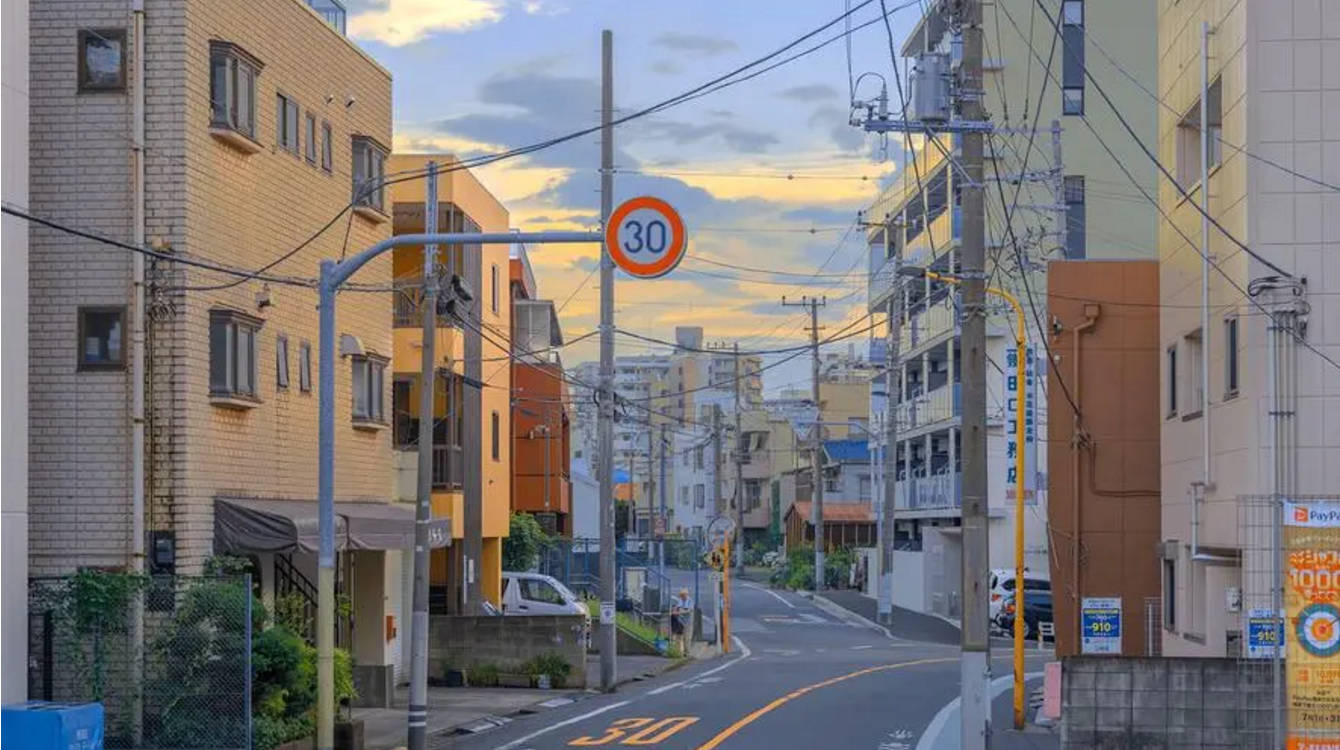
719, 529
645, 237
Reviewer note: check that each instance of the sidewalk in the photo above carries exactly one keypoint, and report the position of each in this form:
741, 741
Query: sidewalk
453, 709
907, 625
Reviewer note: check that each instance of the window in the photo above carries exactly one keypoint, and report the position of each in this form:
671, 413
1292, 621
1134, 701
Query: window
327, 155
369, 173
1231, 356
1188, 138
863, 488
232, 353
286, 123
281, 362
753, 493
102, 338
493, 282
305, 367
699, 496
1172, 380
232, 88
102, 60
497, 430
311, 138
1072, 59
1170, 595
684, 495
540, 591
369, 379
1195, 386
698, 457
1076, 218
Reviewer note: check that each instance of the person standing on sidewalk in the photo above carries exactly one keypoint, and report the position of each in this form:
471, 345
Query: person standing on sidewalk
681, 613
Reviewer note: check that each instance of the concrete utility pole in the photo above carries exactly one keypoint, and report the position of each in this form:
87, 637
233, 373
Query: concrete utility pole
1058, 191
423, 505
660, 546
651, 487
816, 438
976, 644
719, 501
741, 497
605, 429
892, 363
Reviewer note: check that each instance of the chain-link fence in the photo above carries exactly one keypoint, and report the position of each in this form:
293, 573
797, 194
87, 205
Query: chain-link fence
168, 657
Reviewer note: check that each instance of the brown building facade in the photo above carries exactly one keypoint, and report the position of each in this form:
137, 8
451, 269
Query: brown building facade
1103, 452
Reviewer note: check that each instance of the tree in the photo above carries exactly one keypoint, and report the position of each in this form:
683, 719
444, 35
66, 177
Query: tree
522, 546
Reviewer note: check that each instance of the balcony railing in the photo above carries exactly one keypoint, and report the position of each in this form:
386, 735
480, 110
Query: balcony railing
331, 10
448, 467
407, 306
929, 493
939, 405
933, 322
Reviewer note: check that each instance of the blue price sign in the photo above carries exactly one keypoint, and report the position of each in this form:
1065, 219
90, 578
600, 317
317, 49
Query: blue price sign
1264, 633
1100, 621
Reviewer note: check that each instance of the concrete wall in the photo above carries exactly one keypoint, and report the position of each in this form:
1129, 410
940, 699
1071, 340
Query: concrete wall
506, 642
1153, 704
15, 352
909, 580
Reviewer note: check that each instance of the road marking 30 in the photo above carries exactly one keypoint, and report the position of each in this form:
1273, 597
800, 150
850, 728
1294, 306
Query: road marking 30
645, 731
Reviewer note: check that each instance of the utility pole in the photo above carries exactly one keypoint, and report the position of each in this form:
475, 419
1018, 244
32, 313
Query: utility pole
606, 405
719, 501
740, 495
651, 488
892, 362
660, 546
1058, 191
976, 644
816, 438
423, 505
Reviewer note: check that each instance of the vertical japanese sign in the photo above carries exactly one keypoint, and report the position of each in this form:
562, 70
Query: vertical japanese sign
1100, 619
1311, 542
1030, 446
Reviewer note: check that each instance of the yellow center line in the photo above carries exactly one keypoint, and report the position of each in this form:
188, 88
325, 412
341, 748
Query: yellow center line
731, 730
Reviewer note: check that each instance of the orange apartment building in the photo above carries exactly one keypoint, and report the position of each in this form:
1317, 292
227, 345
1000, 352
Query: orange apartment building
541, 429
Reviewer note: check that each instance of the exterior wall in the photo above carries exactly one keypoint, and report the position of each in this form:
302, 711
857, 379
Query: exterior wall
14, 352
537, 383
842, 402
207, 200
1111, 507
1274, 64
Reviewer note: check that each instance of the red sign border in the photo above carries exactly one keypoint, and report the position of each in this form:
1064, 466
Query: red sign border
673, 255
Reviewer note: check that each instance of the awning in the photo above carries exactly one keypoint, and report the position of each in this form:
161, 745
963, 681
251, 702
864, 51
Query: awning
286, 526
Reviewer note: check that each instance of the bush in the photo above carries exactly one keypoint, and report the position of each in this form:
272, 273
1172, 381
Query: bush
550, 663
837, 568
484, 675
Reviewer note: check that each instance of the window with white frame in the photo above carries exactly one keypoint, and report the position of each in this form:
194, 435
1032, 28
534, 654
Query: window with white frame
287, 117
305, 367
281, 362
1195, 385
369, 379
699, 496
1188, 137
232, 353
369, 169
1072, 60
310, 128
327, 153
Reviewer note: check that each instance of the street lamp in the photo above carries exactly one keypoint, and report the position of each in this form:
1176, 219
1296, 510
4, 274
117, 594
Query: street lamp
1020, 345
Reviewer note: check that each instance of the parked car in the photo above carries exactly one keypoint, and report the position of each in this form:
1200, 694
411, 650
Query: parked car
530, 594
1002, 587
1037, 609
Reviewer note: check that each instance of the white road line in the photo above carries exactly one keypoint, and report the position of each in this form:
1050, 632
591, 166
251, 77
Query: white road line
744, 650
770, 592
666, 688
930, 738
860, 648
566, 722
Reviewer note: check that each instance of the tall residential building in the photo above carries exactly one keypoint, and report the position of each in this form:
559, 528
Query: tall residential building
541, 428
1044, 152
1274, 100
256, 135
472, 422
14, 352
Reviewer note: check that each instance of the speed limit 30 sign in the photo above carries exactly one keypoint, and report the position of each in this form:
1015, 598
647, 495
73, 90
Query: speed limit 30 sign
645, 237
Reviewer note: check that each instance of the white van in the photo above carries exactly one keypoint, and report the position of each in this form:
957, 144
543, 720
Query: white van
538, 594
1002, 587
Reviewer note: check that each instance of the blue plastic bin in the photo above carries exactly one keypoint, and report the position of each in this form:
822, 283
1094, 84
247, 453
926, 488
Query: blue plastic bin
39, 725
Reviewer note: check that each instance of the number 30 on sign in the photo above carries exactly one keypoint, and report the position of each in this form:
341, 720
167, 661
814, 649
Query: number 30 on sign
645, 237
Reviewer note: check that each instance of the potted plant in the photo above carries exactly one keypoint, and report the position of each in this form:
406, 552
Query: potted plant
550, 665
348, 730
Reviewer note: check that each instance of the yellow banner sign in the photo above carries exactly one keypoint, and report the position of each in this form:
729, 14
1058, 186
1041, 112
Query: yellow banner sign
1312, 605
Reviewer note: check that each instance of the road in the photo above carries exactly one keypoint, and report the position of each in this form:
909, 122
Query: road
799, 678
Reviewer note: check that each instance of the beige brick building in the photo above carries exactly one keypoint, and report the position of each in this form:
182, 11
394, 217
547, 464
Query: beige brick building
260, 117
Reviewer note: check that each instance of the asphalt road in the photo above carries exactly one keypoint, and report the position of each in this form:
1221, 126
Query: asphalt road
799, 678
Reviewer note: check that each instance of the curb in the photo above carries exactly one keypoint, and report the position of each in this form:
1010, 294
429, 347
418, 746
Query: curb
837, 610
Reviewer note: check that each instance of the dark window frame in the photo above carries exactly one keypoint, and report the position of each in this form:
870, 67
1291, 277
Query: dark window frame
288, 117
327, 148
1232, 356
281, 363
226, 320
305, 367
1170, 595
496, 446
238, 66
374, 380
309, 129
85, 36
1170, 359
82, 362
1076, 230
1066, 105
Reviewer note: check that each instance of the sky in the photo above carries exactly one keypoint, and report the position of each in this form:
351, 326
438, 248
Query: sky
767, 174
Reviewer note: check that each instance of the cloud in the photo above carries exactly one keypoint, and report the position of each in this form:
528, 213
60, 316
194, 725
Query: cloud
402, 22
833, 119
813, 92
740, 139
819, 216
665, 68
698, 45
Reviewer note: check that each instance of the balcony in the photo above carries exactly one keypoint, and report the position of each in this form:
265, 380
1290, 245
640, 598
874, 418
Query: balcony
332, 11
929, 493
940, 405
932, 323
946, 228
448, 467
407, 305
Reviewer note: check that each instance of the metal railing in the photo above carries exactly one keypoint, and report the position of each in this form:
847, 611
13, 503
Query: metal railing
407, 306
